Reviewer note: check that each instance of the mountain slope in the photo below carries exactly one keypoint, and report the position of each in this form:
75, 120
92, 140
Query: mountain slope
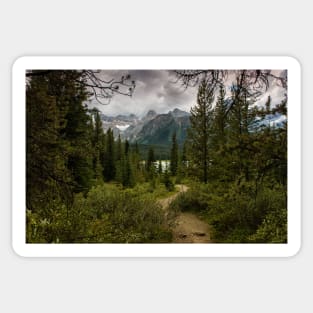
160, 129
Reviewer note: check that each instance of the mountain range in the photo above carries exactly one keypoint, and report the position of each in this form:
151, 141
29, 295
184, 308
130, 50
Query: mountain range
153, 128
158, 129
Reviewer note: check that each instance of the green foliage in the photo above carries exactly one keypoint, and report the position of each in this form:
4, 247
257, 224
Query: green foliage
161, 152
199, 132
134, 218
108, 214
150, 160
167, 181
245, 199
174, 156
235, 213
62, 224
59, 146
160, 169
109, 169
274, 225
236, 169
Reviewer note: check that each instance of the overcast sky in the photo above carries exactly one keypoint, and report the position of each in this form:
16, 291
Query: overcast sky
157, 90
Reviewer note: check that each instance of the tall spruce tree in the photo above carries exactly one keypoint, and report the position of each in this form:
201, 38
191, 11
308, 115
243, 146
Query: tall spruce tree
160, 170
78, 132
119, 149
241, 120
219, 136
199, 131
174, 155
150, 160
46, 150
220, 119
109, 169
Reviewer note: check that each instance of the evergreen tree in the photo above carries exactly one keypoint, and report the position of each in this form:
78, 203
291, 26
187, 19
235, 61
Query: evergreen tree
137, 149
126, 147
136, 157
167, 181
46, 150
160, 167
128, 178
98, 170
109, 169
97, 144
78, 132
219, 138
199, 131
241, 122
220, 119
184, 153
98, 130
174, 156
182, 167
119, 161
119, 149
150, 160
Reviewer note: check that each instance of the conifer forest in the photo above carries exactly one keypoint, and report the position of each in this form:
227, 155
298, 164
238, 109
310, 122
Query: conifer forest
212, 172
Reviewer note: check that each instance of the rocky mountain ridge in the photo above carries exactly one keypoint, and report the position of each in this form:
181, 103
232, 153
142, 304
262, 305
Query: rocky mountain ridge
152, 128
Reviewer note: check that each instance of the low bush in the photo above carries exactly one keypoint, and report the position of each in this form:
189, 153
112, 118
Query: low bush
107, 214
236, 213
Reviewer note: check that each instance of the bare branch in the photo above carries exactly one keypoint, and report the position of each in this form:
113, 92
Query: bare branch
100, 89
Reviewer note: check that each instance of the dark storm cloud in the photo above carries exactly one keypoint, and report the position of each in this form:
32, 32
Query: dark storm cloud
158, 90
155, 89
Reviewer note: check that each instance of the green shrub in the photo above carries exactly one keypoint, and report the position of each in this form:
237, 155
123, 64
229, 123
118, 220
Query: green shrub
168, 182
273, 226
108, 214
236, 212
130, 216
197, 199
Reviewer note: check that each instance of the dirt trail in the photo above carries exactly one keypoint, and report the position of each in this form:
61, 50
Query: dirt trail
188, 228
166, 201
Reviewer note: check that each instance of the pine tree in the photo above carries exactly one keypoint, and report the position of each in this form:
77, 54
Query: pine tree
174, 156
126, 147
220, 119
137, 148
109, 169
98, 170
136, 158
119, 149
219, 136
167, 181
160, 167
182, 167
98, 145
150, 160
184, 153
199, 131
78, 132
98, 130
45, 162
128, 177
241, 120
119, 160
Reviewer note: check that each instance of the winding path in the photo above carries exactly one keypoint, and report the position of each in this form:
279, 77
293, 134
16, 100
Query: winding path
188, 228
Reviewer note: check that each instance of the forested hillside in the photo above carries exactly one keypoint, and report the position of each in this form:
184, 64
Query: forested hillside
85, 186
